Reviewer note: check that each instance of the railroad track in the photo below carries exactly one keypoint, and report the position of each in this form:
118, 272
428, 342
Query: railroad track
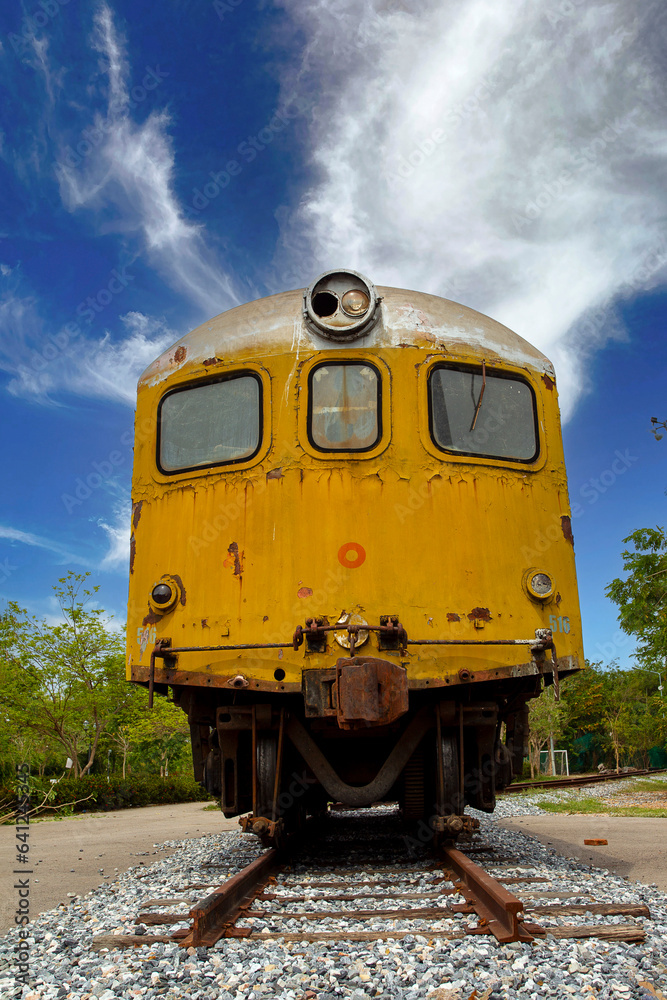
578, 780
337, 889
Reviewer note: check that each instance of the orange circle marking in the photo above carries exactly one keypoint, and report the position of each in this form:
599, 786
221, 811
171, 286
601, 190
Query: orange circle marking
351, 555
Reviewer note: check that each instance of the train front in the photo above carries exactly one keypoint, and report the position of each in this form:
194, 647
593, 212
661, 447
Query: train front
352, 558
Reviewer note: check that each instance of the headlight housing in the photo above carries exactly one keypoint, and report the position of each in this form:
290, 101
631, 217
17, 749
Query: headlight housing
340, 305
540, 585
165, 595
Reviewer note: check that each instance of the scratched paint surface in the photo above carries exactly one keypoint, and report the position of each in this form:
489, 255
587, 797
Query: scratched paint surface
443, 542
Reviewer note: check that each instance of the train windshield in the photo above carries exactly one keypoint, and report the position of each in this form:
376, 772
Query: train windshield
476, 413
344, 405
210, 424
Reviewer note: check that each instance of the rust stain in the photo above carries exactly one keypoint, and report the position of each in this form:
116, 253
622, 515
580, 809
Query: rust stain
304, 592
265, 618
211, 361
234, 559
452, 617
178, 580
481, 614
204, 623
275, 474
566, 525
549, 382
179, 354
152, 618
133, 552
136, 513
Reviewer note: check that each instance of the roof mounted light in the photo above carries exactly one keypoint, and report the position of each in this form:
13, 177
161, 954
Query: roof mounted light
341, 305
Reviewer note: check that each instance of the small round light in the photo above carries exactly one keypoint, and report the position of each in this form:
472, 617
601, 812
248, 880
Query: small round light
541, 584
162, 594
355, 302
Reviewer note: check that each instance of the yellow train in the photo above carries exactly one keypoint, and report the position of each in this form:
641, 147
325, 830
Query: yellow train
352, 559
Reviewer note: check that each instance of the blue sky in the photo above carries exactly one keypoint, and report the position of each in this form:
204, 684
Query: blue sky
162, 163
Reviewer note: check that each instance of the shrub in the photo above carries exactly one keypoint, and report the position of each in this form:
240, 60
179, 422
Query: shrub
117, 793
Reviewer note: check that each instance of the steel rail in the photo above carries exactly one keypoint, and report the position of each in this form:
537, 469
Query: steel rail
499, 910
216, 912
576, 781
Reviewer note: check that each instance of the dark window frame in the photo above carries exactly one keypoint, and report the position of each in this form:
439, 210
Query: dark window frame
195, 384
339, 363
490, 373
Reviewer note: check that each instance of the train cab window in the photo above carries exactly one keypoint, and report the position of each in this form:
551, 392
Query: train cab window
344, 406
474, 412
213, 423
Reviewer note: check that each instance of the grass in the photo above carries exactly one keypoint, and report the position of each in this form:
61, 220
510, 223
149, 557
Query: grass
595, 806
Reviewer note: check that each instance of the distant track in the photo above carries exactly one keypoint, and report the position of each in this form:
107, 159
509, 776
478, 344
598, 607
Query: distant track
577, 780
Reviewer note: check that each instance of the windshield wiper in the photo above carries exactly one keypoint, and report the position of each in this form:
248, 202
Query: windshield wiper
481, 396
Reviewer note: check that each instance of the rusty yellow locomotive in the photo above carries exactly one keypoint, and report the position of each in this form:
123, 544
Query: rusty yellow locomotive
351, 560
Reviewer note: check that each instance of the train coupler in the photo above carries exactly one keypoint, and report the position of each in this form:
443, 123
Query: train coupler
455, 826
270, 831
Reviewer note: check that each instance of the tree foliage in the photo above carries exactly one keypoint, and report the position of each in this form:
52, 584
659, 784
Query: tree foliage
64, 694
641, 595
64, 682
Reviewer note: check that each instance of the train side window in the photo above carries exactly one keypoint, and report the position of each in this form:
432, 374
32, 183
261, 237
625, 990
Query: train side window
498, 422
212, 423
344, 406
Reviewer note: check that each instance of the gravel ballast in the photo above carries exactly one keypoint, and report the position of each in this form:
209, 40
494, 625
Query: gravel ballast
63, 966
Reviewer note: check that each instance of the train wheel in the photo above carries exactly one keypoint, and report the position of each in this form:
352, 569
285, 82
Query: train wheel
450, 797
267, 762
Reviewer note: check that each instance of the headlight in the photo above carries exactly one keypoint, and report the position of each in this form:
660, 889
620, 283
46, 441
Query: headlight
165, 595
162, 594
539, 584
355, 302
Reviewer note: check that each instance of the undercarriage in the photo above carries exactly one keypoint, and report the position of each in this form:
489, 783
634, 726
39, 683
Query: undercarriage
358, 736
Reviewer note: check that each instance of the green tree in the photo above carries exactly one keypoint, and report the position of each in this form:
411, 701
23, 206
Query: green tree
547, 720
160, 735
63, 682
641, 595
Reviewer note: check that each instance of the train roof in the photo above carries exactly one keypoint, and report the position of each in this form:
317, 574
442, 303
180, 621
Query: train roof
276, 325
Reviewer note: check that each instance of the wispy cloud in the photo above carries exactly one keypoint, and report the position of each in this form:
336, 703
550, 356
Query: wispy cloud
506, 155
36, 541
126, 167
44, 363
117, 529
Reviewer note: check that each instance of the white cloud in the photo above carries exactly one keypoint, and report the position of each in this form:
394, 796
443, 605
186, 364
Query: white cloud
43, 364
120, 166
36, 541
118, 535
505, 155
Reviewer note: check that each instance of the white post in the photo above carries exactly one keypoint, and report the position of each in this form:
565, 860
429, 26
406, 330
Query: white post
552, 756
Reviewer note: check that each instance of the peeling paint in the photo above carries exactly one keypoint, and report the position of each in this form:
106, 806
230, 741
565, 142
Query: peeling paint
452, 617
234, 559
548, 381
179, 354
178, 580
304, 592
275, 473
136, 513
481, 614
566, 525
133, 552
